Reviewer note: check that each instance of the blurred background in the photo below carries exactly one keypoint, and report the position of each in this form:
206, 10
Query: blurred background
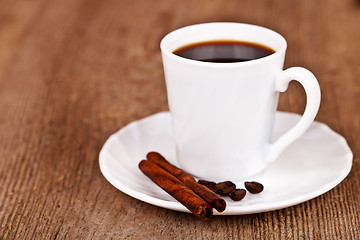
114, 46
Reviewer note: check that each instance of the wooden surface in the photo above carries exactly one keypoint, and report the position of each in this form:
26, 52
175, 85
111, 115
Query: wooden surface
74, 72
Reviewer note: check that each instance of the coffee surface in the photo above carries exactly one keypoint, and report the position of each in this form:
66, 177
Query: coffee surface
224, 51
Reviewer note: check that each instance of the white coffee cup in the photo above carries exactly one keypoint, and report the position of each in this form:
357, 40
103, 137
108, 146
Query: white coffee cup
223, 113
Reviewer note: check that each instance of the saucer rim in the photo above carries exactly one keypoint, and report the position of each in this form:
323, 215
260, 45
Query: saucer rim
230, 210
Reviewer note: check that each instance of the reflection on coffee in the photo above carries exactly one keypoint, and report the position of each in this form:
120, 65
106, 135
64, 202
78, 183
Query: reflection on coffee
224, 51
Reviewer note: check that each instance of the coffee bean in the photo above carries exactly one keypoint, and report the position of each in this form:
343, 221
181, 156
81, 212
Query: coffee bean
224, 188
207, 184
237, 194
254, 187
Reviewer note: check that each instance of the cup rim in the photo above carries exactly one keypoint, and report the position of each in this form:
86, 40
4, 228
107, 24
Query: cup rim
268, 58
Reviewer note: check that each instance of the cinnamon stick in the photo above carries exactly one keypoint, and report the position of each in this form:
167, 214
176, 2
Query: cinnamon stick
177, 189
209, 196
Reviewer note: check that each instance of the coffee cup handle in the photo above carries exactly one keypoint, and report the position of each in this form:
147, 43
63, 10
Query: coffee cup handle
313, 95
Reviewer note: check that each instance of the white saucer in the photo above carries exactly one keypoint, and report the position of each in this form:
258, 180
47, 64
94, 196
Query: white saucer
311, 166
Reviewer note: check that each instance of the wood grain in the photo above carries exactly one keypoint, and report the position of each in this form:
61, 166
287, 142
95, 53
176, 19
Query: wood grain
72, 72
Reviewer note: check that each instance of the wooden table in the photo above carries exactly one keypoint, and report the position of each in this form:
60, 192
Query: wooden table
74, 72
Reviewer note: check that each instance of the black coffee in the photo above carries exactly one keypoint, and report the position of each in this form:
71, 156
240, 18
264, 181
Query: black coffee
224, 51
